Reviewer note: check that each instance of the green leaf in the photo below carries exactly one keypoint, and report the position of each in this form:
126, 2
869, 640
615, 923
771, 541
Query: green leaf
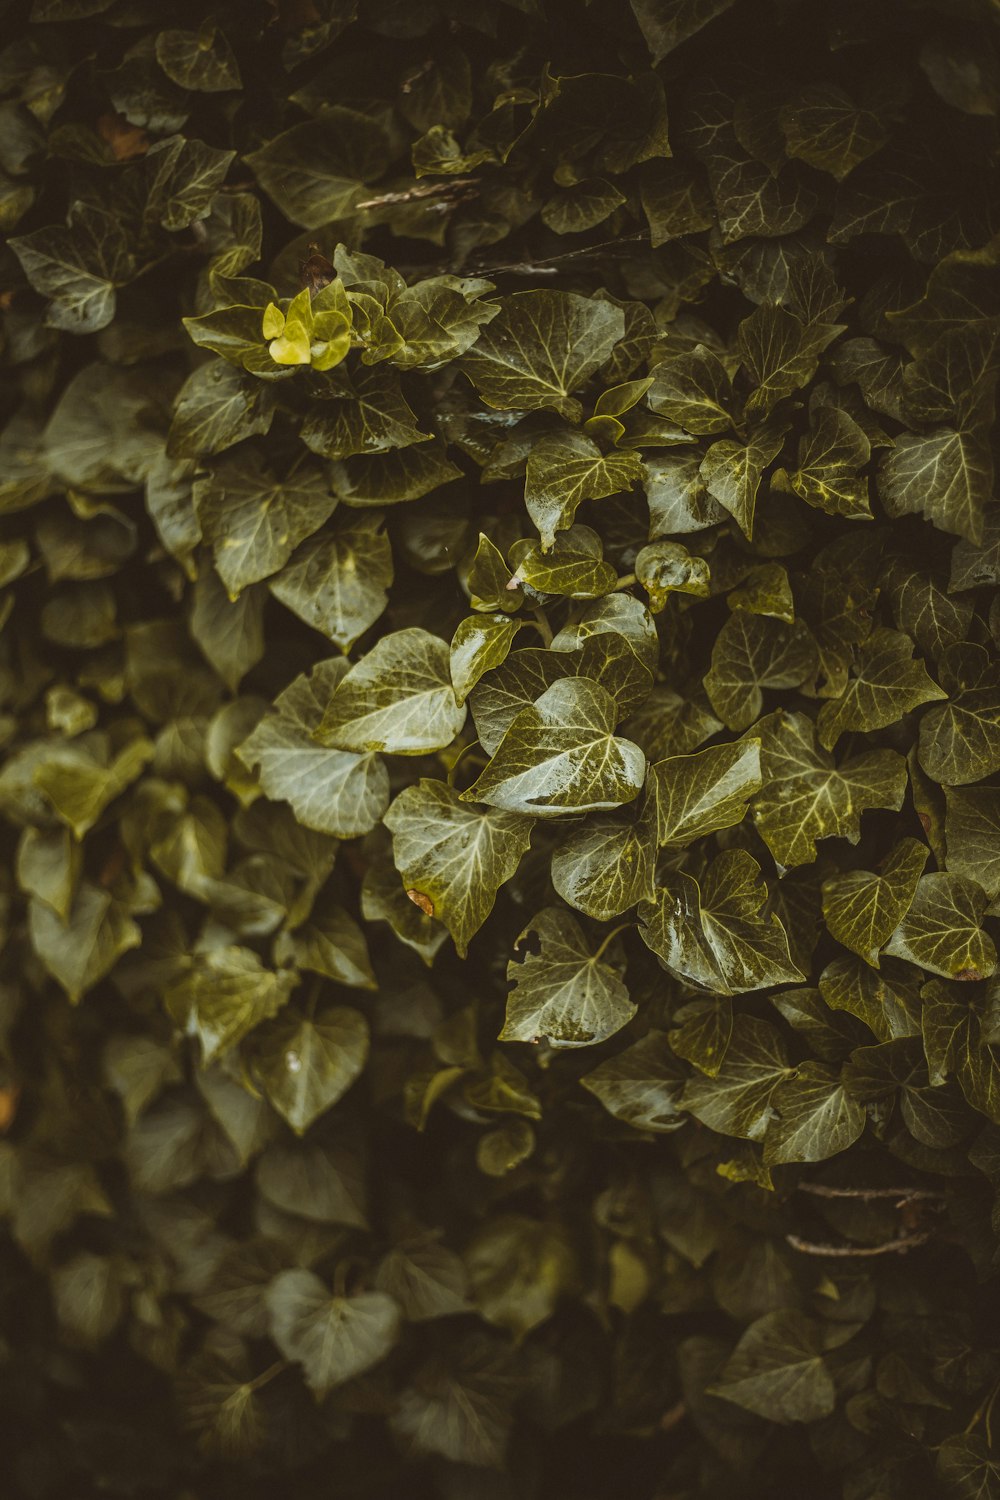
607, 864
230, 632
667, 23
566, 468
480, 644
863, 910
935, 619
698, 794
201, 60
397, 699
581, 207
887, 683
964, 1464
942, 930
675, 200
217, 406
455, 857
830, 458
731, 472
664, 568
316, 172
254, 520
332, 944
224, 995
945, 475
183, 177
641, 1085
716, 934
753, 652
777, 1372
806, 797
960, 742
825, 128
332, 791
972, 831
395, 477
679, 501
816, 1117
424, 1277
306, 1064
78, 268
564, 992
80, 778
384, 899
337, 581
543, 346
694, 390
561, 756
333, 1338
83, 949
779, 354
369, 414
736, 1101
573, 566
488, 578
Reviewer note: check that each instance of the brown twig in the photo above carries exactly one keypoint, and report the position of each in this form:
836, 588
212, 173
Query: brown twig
672, 1416
905, 1194
427, 190
550, 264
888, 1247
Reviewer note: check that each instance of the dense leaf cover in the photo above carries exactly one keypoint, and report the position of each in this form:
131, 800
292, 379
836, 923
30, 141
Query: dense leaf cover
501, 709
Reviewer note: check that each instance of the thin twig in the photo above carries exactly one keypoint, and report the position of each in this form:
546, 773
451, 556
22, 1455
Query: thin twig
889, 1247
820, 1190
671, 1417
523, 268
426, 190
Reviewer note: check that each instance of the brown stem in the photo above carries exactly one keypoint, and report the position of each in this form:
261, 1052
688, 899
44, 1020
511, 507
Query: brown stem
905, 1194
889, 1247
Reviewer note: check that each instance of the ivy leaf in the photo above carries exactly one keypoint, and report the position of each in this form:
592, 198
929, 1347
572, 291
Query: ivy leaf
972, 832
397, 699
566, 468
943, 932
543, 346
777, 1370
779, 354
945, 475
964, 1464
333, 1338
960, 742
806, 797
200, 60
753, 652
337, 581
369, 415
332, 791
816, 1117
736, 1100
830, 458
330, 943
454, 856
78, 268
459, 1406
731, 472
715, 934
183, 177
563, 992
224, 995
81, 950
488, 578
480, 644
862, 910
425, 1278
561, 755
825, 128
886, 684
254, 520
393, 478
694, 390
664, 568
573, 567
218, 406
316, 172
698, 794
305, 1065
667, 23
641, 1085
607, 864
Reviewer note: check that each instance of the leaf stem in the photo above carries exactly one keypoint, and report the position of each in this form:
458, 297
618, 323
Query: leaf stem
606, 942
904, 1194
459, 759
266, 1376
542, 625
888, 1247
625, 581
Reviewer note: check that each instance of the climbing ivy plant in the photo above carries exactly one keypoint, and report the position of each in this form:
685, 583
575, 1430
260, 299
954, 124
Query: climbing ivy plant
500, 701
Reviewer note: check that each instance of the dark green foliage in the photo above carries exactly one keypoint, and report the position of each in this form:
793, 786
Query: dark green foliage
500, 698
